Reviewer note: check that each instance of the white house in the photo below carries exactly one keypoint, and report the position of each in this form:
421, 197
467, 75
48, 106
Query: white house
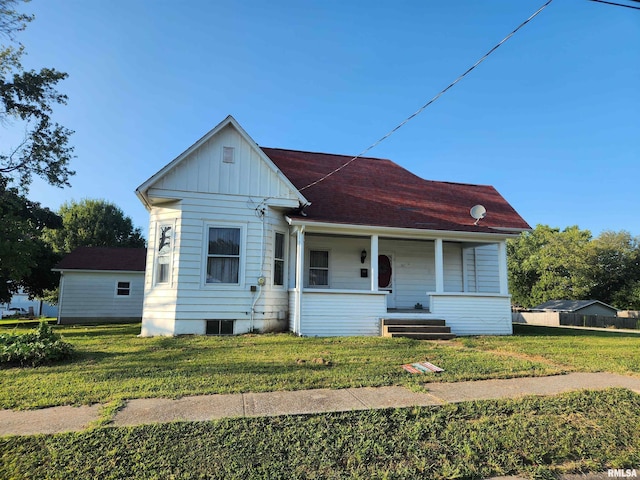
101, 285
34, 306
243, 237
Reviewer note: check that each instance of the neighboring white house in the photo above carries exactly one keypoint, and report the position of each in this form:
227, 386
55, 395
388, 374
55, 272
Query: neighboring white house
243, 237
34, 306
101, 285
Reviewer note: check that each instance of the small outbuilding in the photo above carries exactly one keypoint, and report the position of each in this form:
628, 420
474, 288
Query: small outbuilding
582, 307
101, 285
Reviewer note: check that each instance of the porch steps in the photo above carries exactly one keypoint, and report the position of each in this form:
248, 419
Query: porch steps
416, 329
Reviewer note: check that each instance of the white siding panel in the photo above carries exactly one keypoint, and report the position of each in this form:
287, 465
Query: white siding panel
413, 270
487, 269
158, 317
452, 253
469, 259
292, 310
93, 295
474, 314
197, 301
344, 261
205, 172
342, 314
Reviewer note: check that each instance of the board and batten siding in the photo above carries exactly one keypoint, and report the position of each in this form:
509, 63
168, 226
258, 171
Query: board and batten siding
474, 314
205, 171
88, 297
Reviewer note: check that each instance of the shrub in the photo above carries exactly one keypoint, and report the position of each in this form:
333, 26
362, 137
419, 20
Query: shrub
38, 347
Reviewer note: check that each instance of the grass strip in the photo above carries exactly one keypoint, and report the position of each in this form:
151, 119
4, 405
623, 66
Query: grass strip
534, 436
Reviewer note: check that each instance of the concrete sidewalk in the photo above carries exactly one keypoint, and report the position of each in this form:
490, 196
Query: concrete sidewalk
210, 407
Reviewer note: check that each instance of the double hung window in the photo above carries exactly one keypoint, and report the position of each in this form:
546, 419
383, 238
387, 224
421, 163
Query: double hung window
223, 256
318, 268
163, 253
278, 260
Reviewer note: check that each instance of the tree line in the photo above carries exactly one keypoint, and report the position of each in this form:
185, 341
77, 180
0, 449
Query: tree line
34, 238
552, 264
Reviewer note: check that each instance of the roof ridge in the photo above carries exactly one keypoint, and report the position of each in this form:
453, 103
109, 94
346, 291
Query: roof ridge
328, 154
448, 182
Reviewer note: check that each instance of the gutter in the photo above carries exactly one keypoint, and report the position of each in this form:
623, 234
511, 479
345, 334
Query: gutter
317, 227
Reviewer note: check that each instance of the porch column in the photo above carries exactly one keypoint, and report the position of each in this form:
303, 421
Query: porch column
439, 265
299, 278
502, 268
374, 263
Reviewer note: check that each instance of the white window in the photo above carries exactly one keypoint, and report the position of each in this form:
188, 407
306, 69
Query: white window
278, 260
123, 289
318, 268
223, 255
163, 252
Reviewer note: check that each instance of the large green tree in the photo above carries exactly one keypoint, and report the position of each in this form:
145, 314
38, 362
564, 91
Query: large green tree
27, 101
25, 259
548, 263
93, 223
27, 98
615, 275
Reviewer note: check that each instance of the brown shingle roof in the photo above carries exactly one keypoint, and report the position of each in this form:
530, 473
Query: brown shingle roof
378, 192
104, 258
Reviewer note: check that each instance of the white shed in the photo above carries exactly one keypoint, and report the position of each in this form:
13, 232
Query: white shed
101, 285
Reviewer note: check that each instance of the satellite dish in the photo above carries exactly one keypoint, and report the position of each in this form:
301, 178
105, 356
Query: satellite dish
478, 212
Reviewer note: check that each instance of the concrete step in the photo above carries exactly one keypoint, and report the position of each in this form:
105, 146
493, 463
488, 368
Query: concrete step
412, 321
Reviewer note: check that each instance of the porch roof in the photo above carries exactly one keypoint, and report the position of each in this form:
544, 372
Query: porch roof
378, 192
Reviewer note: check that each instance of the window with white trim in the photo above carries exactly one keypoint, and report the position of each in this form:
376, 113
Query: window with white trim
123, 289
318, 268
223, 255
163, 252
278, 260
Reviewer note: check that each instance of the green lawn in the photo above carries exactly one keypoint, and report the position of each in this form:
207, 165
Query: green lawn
583, 350
537, 437
112, 363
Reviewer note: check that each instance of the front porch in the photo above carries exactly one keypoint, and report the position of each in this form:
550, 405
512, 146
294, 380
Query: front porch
353, 313
343, 284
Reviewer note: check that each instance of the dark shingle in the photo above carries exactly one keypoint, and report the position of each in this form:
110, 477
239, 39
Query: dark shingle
104, 258
379, 192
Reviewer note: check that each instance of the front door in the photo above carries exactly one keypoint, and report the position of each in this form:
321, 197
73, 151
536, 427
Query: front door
385, 278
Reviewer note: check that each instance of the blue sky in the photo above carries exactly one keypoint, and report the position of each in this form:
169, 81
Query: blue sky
550, 119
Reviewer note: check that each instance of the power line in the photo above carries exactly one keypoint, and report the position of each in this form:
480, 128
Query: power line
422, 108
618, 4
